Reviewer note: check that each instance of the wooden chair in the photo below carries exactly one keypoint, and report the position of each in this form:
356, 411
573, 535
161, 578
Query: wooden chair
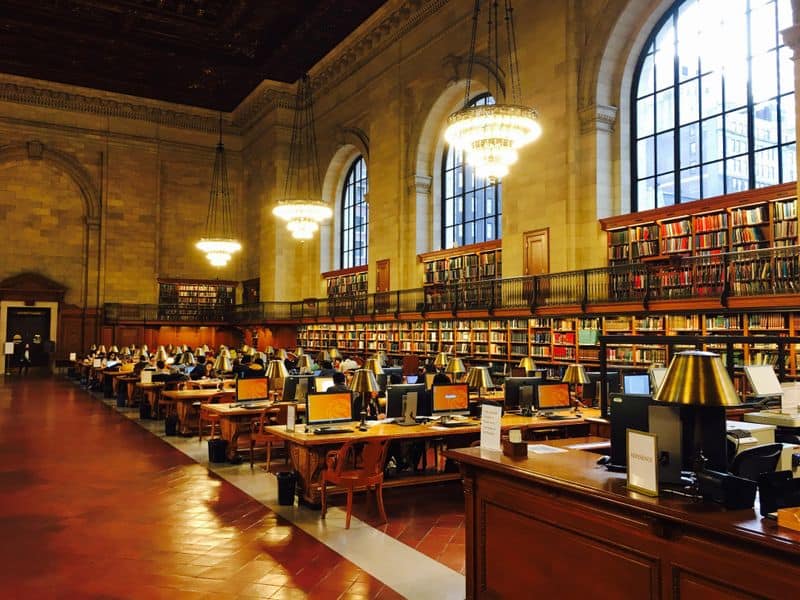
204, 416
277, 414
343, 469
168, 405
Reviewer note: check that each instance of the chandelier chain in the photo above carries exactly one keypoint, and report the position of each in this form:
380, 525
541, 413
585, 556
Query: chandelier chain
475, 16
513, 61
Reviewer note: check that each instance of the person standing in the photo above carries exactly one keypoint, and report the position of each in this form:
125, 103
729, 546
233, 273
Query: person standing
25, 359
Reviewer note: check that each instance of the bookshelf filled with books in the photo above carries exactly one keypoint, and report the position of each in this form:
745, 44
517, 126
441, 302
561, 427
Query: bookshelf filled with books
558, 341
195, 300
480, 264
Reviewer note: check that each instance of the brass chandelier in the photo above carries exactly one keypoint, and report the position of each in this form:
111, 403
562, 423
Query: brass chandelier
301, 206
490, 135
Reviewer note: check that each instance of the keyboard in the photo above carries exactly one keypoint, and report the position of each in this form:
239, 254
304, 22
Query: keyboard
559, 417
457, 424
327, 430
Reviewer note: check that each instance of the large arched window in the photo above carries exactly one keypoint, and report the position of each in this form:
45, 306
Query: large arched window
713, 100
355, 216
471, 206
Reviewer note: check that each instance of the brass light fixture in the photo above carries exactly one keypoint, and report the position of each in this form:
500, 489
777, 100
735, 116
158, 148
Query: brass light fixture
304, 363
479, 378
441, 360
334, 353
527, 364
575, 375
301, 206
365, 384
374, 365
491, 134
455, 368
697, 378
276, 372
218, 243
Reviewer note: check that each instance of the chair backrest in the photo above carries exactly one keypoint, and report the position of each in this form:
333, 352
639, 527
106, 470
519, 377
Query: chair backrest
753, 462
373, 456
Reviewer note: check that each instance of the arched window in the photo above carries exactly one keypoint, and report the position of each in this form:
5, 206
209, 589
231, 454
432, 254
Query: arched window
471, 206
355, 216
713, 100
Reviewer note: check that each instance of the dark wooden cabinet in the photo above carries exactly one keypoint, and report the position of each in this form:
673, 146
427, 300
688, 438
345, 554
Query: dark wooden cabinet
560, 526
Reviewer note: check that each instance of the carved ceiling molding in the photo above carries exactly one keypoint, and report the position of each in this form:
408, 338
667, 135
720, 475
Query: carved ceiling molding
42, 95
266, 97
358, 49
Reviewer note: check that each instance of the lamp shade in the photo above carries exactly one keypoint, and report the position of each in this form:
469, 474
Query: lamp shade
187, 358
322, 356
276, 370
441, 360
478, 377
304, 362
364, 381
381, 358
114, 349
161, 354
527, 363
298, 351
126, 352
697, 378
576, 374
374, 365
101, 349
334, 353
455, 366
281, 354
223, 363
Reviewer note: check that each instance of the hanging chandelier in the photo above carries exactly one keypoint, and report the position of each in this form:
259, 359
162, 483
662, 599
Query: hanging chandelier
218, 243
301, 207
491, 135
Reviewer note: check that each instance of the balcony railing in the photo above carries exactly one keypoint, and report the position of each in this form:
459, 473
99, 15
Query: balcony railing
768, 272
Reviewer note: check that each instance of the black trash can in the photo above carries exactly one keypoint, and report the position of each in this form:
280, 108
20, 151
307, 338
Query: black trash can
171, 425
122, 395
144, 409
286, 485
216, 450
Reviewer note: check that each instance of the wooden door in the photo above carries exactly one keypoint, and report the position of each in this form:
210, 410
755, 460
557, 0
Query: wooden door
382, 285
536, 251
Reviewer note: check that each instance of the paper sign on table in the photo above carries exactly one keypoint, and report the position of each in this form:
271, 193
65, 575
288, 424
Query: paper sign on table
490, 426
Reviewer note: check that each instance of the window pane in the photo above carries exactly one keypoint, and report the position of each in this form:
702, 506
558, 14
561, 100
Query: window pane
713, 180
711, 94
665, 157
646, 157
735, 84
665, 186
766, 165
646, 77
737, 174
762, 29
736, 132
765, 124
646, 195
665, 110
789, 162
712, 139
644, 117
786, 68
688, 40
690, 106
690, 145
765, 77
355, 216
690, 184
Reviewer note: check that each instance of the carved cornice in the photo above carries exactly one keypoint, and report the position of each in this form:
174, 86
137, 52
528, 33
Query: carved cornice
419, 184
269, 95
387, 26
791, 37
34, 92
598, 118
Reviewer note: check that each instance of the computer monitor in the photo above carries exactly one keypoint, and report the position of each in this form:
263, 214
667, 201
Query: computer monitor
394, 399
636, 384
763, 380
552, 395
590, 392
450, 398
512, 392
389, 371
296, 387
333, 407
412, 378
249, 390
321, 384
657, 375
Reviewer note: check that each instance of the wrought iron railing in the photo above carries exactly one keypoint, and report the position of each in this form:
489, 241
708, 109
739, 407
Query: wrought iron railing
749, 273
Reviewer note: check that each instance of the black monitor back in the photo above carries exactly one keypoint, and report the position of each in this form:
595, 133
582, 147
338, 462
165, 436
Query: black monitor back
394, 399
511, 400
627, 412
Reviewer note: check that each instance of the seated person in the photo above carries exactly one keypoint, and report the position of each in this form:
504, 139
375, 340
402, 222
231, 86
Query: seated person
253, 370
339, 384
327, 369
199, 370
441, 378
348, 364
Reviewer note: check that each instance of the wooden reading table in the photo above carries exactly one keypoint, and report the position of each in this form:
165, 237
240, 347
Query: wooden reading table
561, 526
308, 450
184, 404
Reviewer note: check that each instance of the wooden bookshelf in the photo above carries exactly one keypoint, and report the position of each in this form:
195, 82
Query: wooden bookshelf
195, 300
346, 282
480, 263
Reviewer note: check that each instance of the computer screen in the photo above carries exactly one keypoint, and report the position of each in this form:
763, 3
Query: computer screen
321, 384
512, 388
763, 380
394, 399
412, 378
552, 396
636, 385
248, 390
295, 388
335, 407
452, 397
398, 371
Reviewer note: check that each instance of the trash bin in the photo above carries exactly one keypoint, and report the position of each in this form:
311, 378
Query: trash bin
144, 409
171, 425
122, 395
217, 448
286, 485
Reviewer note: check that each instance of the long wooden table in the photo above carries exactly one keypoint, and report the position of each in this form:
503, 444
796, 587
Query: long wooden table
560, 526
184, 404
235, 419
308, 450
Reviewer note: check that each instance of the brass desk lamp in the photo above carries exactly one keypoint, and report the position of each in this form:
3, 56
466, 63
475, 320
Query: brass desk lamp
575, 375
365, 384
479, 378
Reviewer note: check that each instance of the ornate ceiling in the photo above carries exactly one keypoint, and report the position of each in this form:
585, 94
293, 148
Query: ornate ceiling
208, 53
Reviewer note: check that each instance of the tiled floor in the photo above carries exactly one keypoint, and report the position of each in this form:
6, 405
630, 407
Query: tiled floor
98, 507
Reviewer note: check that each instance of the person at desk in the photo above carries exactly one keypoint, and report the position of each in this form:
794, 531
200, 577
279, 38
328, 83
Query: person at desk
441, 378
254, 369
199, 370
327, 369
339, 384
348, 364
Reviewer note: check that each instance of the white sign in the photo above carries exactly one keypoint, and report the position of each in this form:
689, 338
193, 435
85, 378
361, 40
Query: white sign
790, 401
642, 462
490, 426
147, 376
290, 417
97, 363
9, 348
73, 356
